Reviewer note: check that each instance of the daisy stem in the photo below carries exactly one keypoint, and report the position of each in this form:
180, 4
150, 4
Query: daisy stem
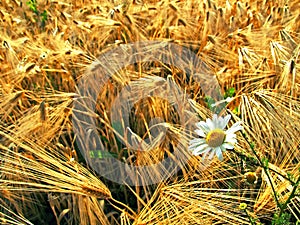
249, 217
266, 169
256, 163
284, 205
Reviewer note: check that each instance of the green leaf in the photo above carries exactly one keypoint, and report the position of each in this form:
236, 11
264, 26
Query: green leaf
44, 16
100, 154
236, 111
210, 101
229, 92
265, 162
283, 219
32, 5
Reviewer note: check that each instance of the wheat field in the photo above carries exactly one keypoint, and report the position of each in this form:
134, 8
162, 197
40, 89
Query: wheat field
249, 47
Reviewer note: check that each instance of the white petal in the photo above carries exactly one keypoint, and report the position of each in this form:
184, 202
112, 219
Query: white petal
230, 136
230, 139
235, 127
201, 149
225, 121
203, 126
227, 146
222, 147
196, 143
215, 119
210, 124
219, 153
212, 153
200, 133
196, 140
206, 152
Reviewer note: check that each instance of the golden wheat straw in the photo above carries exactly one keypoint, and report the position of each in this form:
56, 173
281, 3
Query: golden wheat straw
57, 175
252, 46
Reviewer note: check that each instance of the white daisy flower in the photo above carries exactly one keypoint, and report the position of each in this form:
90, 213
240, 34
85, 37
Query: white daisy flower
213, 138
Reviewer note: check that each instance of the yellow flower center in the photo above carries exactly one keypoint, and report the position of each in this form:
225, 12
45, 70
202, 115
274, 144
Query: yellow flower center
215, 138
243, 206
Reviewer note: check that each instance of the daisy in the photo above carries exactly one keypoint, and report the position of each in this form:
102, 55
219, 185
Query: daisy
213, 138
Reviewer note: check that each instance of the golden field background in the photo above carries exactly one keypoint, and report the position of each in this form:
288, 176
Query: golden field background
46, 47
